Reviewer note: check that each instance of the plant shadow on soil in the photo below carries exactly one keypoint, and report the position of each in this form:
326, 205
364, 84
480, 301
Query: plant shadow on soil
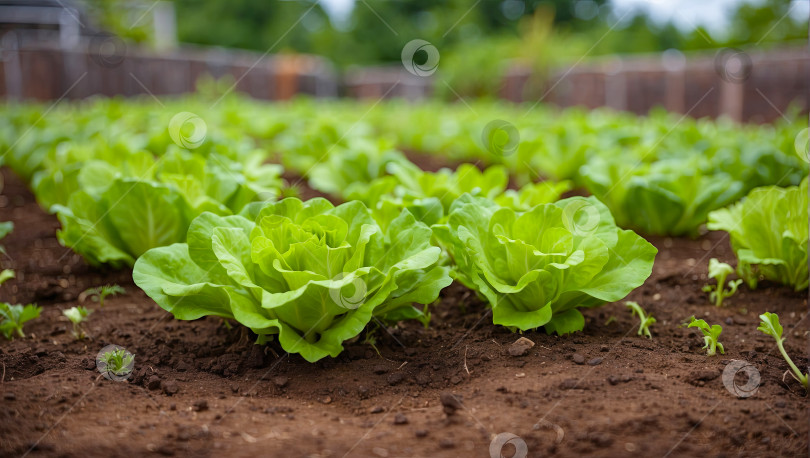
202, 389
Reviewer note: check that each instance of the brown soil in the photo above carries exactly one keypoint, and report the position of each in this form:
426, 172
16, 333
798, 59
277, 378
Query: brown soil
201, 389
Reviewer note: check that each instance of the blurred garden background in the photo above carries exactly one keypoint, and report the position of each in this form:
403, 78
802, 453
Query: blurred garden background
627, 54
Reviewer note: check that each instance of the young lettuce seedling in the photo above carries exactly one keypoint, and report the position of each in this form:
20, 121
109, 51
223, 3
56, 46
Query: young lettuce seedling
98, 293
13, 317
710, 335
77, 315
646, 320
770, 325
719, 271
118, 362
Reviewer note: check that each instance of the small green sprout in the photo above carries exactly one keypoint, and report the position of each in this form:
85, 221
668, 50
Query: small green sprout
646, 320
117, 362
77, 315
710, 335
719, 271
6, 275
5, 228
770, 326
98, 293
13, 317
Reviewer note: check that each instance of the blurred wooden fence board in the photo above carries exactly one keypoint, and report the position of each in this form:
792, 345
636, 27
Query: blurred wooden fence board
695, 85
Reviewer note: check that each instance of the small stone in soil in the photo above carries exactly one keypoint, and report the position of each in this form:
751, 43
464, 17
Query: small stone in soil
153, 383
447, 443
170, 387
200, 405
450, 402
520, 347
400, 419
280, 381
380, 369
377, 409
9, 396
421, 433
579, 359
395, 378
595, 361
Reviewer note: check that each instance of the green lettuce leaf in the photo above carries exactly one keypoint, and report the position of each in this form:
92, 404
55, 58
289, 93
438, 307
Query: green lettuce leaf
769, 234
308, 272
536, 268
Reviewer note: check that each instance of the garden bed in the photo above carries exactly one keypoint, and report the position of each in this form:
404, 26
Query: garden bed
202, 389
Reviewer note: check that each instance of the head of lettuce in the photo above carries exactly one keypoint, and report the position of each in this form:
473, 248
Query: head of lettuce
309, 273
537, 268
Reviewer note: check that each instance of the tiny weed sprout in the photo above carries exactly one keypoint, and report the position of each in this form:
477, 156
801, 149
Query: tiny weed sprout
77, 315
646, 320
117, 363
719, 271
710, 335
770, 326
13, 317
98, 293
6, 275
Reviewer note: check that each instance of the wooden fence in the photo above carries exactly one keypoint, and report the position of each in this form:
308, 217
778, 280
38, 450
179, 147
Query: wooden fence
751, 87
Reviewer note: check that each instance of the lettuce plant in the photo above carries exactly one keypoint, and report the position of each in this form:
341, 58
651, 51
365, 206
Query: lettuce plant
719, 271
668, 197
428, 195
538, 267
308, 272
99, 293
645, 320
77, 315
769, 232
769, 325
13, 317
710, 335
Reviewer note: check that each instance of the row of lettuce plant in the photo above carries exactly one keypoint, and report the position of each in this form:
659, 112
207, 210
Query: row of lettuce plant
204, 240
